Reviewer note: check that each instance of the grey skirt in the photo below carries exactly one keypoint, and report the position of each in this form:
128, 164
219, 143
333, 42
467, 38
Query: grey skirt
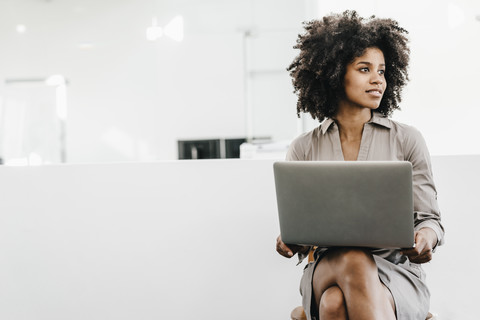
406, 282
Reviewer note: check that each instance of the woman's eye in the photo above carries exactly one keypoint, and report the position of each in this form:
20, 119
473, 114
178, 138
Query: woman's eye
382, 72
364, 69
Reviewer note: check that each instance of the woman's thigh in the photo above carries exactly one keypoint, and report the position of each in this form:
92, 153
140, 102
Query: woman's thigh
353, 270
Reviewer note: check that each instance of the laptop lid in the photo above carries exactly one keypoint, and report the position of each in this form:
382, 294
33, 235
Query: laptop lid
345, 203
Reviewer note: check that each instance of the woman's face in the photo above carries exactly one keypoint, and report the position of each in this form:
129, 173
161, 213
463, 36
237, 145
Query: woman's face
364, 80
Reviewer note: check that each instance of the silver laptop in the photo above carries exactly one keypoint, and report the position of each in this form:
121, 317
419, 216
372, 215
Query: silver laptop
345, 203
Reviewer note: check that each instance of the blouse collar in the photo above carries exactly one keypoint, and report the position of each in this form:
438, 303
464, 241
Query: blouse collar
377, 118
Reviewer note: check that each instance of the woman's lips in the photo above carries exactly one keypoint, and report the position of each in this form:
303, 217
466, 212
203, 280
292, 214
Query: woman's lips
375, 93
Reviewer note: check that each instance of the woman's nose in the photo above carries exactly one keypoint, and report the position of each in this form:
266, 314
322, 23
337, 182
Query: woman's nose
376, 79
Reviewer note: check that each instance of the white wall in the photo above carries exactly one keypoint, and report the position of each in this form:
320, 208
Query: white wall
453, 273
173, 240
184, 240
131, 99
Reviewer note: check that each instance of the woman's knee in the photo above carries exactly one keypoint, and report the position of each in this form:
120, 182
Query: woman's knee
332, 304
354, 265
352, 259
355, 255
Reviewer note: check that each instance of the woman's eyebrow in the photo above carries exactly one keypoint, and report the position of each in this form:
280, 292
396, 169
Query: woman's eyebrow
369, 63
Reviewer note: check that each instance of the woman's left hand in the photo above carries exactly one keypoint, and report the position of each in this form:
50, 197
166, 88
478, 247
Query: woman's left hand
425, 240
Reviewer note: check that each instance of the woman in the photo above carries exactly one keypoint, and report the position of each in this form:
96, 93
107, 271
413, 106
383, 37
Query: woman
349, 75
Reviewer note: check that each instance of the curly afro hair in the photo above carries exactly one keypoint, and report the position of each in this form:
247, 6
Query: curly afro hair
329, 45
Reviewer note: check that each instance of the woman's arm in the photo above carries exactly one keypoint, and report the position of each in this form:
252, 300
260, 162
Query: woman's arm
428, 227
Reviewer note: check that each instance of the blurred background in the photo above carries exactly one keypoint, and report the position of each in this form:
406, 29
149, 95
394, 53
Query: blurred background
139, 80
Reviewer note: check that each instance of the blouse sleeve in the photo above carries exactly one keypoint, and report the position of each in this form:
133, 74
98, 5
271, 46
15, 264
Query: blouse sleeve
294, 152
426, 210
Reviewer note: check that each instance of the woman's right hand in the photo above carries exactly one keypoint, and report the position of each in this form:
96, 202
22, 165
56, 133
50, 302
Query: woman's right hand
289, 250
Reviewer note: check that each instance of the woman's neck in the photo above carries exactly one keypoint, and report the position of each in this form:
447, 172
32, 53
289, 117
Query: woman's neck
351, 121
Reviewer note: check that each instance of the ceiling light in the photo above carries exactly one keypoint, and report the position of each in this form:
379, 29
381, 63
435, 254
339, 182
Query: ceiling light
21, 28
174, 29
154, 32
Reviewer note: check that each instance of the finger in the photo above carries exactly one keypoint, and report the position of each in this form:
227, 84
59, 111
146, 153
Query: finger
425, 238
421, 259
425, 256
419, 247
415, 253
293, 247
287, 250
420, 242
410, 252
283, 249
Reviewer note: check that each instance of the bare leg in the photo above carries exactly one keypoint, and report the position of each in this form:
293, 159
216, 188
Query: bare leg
355, 273
332, 305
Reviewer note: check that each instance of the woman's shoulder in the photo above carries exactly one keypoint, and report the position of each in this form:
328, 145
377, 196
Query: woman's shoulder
307, 137
406, 131
301, 144
399, 129
410, 137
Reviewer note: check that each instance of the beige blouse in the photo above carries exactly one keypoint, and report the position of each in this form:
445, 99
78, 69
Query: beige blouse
382, 139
